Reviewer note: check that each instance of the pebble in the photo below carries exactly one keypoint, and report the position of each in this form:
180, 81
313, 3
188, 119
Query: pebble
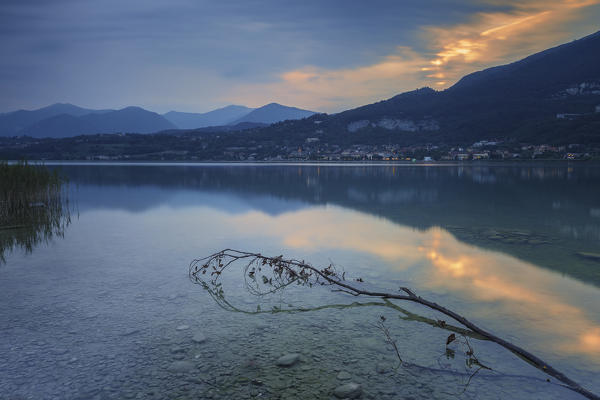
344, 376
288, 360
181, 366
348, 391
199, 338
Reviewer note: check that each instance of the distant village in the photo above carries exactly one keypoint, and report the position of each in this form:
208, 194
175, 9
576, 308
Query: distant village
313, 150
128, 147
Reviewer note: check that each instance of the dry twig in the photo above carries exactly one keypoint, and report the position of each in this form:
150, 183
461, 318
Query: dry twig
285, 272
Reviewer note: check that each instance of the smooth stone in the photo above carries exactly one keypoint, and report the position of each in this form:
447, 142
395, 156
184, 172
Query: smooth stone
288, 360
183, 327
199, 338
348, 391
344, 376
181, 366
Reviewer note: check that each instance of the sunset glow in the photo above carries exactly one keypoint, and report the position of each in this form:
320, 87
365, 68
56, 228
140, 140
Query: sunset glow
485, 40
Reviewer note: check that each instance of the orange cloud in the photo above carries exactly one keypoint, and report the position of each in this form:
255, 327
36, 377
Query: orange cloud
324, 89
494, 38
486, 39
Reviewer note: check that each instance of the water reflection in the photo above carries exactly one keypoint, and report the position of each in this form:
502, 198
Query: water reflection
560, 313
537, 214
497, 244
506, 199
540, 214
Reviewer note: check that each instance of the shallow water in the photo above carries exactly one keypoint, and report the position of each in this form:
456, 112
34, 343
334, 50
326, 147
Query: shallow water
108, 311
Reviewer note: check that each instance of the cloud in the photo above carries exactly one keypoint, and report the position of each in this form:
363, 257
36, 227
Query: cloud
326, 89
492, 38
486, 39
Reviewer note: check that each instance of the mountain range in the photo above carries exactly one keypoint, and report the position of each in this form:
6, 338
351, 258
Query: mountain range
549, 97
218, 117
66, 120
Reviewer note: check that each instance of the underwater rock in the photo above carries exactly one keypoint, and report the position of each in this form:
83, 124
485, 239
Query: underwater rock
288, 360
348, 391
344, 376
181, 366
199, 338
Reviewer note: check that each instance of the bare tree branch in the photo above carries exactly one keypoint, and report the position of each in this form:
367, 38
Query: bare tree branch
284, 272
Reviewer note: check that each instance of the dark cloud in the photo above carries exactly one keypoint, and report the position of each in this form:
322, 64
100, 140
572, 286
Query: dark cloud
110, 53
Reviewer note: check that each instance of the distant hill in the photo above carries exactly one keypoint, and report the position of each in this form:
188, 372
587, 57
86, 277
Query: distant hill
242, 126
65, 120
552, 96
272, 113
218, 117
129, 119
13, 122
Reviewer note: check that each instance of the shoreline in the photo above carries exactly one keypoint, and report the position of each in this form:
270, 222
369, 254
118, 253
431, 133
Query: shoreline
471, 163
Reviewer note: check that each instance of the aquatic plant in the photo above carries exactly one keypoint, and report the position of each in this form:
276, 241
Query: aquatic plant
33, 206
265, 275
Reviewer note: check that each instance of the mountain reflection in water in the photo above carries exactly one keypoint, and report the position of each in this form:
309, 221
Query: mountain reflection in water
436, 224
510, 247
547, 215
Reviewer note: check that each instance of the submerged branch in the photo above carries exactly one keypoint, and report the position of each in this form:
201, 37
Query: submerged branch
284, 272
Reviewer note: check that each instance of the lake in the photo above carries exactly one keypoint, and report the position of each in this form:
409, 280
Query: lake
108, 311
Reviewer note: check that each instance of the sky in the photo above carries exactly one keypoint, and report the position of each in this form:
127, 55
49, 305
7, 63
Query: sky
322, 55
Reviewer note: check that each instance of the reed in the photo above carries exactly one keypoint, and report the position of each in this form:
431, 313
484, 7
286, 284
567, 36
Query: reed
33, 206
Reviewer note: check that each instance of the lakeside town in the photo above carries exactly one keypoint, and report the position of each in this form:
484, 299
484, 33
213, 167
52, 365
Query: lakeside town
482, 150
131, 147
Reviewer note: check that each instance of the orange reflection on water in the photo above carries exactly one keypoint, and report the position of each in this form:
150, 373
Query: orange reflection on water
554, 310
529, 292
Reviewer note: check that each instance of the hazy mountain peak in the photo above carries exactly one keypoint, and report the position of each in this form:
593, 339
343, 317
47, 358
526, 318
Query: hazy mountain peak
218, 117
274, 112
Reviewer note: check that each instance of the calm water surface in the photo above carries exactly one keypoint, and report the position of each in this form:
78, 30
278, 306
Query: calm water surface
108, 311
